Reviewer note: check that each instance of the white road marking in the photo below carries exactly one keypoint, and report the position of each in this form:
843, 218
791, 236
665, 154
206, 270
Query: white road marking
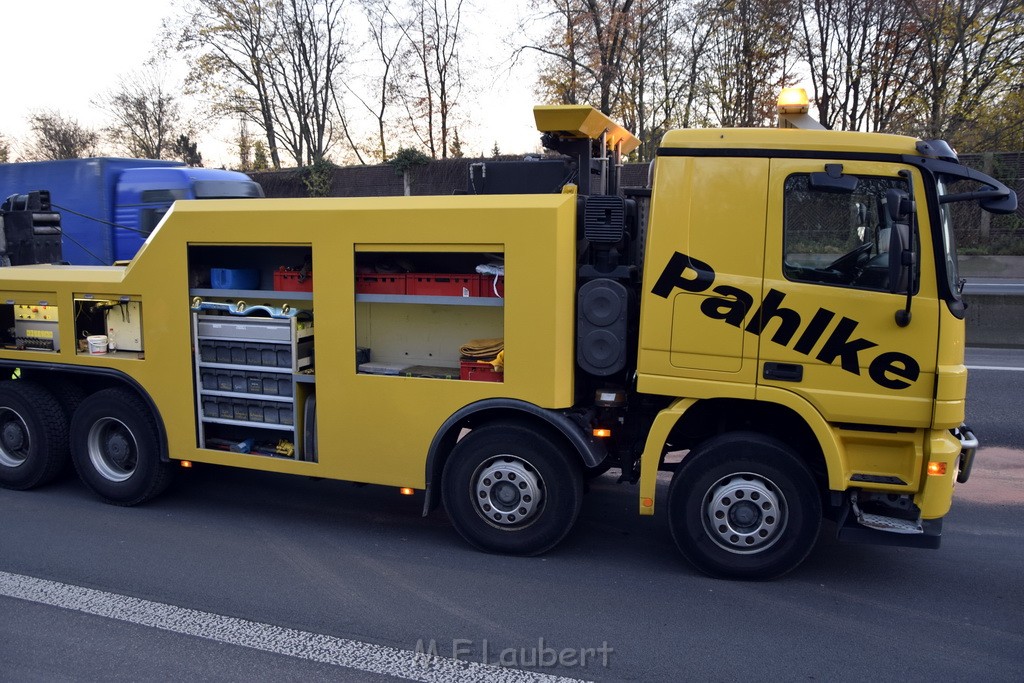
993, 367
316, 647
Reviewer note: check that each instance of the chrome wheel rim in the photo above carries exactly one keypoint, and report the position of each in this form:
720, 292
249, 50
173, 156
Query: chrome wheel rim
15, 440
744, 513
508, 491
113, 451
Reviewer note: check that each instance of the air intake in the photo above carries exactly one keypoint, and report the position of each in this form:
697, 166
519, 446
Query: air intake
604, 219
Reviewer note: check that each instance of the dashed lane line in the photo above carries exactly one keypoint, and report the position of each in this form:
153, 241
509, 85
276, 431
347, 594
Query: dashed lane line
316, 647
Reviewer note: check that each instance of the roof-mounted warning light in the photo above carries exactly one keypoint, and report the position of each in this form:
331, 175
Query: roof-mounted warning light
793, 107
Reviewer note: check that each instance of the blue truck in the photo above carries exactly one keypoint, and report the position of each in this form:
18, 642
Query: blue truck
109, 206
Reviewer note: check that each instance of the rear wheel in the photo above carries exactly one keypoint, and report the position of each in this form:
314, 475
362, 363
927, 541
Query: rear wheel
744, 505
33, 435
508, 489
116, 449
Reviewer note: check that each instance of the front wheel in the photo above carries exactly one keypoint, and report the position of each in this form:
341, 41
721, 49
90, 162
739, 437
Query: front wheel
116, 448
508, 489
744, 505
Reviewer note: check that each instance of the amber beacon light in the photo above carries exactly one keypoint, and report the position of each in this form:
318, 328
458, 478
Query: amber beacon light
793, 101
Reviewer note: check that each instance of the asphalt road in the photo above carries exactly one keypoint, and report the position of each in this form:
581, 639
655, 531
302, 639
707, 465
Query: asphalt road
249, 576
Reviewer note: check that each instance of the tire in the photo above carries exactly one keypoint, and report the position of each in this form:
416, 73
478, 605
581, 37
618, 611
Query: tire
33, 435
527, 518
744, 506
116, 450
69, 395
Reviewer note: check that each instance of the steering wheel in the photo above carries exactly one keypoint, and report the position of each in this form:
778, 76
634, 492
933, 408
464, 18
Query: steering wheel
851, 263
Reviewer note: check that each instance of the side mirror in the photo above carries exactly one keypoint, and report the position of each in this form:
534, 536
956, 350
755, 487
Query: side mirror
898, 204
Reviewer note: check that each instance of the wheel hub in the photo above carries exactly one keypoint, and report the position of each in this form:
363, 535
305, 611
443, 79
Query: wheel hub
507, 491
744, 513
112, 449
14, 440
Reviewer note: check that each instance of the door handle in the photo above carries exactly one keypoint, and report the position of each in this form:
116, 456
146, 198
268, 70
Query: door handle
784, 372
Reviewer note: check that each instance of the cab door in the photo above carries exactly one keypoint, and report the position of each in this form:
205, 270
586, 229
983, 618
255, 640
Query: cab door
827, 322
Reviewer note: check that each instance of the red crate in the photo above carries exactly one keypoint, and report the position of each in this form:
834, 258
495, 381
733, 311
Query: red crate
381, 283
286, 280
487, 286
443, 284
478, 371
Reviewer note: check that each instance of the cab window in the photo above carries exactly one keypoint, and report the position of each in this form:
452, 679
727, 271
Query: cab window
837, 236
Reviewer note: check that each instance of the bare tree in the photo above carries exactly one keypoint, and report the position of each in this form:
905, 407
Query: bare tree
973, 53
749, 59
432, 92
583, 56
312, 51
388, 39
861, 56
234, 40
5, 150
54, 136
244, 141
566, 76
145, 114
658, 88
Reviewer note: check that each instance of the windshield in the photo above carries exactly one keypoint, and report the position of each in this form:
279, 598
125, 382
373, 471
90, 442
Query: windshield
226, 189
948, 238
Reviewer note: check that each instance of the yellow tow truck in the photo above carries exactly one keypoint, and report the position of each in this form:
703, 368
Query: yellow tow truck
776, 319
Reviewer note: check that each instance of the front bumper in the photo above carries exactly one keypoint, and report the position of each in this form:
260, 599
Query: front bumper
968, 447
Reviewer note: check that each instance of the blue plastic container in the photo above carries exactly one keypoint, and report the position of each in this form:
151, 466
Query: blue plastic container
234, 278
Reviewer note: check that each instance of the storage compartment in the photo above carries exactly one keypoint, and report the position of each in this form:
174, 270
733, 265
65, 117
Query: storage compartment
479, 371
443, 284
389, 283
245, 378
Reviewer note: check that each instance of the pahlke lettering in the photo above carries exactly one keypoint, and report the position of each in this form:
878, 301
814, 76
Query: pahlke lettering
890, 369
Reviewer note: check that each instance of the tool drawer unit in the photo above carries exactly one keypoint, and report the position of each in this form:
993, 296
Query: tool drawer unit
248, 384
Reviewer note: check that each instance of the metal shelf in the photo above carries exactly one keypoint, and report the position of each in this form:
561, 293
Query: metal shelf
246, 368
251, 294
245, 423
253, 397
435, 300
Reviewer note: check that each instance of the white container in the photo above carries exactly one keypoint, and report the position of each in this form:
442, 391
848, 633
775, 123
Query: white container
97, 344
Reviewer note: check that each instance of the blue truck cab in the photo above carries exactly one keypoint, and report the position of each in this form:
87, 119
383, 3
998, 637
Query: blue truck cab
109, 206
144, 195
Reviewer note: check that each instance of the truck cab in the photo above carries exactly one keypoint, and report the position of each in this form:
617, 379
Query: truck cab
142, 196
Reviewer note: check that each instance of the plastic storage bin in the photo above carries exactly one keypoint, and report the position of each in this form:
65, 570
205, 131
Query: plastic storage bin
479, 371
286, 280
443, 284
383, 283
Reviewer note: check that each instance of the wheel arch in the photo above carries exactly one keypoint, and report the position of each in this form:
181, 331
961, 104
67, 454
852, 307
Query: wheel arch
94, 379
556, 424
776, 413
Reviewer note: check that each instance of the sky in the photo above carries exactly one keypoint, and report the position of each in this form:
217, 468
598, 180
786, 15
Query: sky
63, 54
